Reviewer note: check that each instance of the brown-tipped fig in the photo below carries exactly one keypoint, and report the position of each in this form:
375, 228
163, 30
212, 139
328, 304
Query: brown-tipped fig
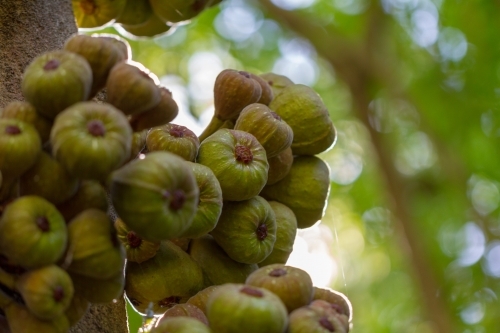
119, 42
135, 12
267, 92
169, 278
132, 88
100, 53
331, 309
96, 13
32, 232
241, 308
138, 249
19, 148
99, 291
173, 138
48, 179
26, 112
138, 146
91, 140
238, 161
291, 284
337, 299
93, 248
269, 129
175, 11
233, 91
308, 319
46, 291
55, 80
201, 297
304, 190
184, 310
90, 194
181, 325
277, 82
163, 113
21, 320
76, 309
279, 166
155, 196
153, 27
246, 230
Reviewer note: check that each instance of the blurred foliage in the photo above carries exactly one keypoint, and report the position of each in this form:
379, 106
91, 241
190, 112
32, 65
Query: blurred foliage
440, 127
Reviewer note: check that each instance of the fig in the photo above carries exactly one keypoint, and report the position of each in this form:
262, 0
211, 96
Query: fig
161, 114
279, 166
239, 308
156, 196
233, 91
26, 112
291, 284
152, 27
46, 291
238, 161
201, 297
32, 232
304, 190
337, 299
135, 12
56, 80
21, 320
331, 309
76, 309
138, 144
184, 310
91, 140
267, 92
93, 248
99, 291
277, 82
246, 230
19, 148
96, 13
169, 278
100, 53
268, 128
209, 202
90, 194
303, 109
48, 179
175, 11
308, 319
181, 325
132, 88
181, 242
176, 139
120, 43
218, 268
138, 249
286, 231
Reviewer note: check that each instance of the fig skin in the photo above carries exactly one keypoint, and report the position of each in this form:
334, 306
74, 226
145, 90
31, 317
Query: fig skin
120, 43
291, 284
93, 248
46, 291
161, 114
181, 325
218, 268
286, 231
26, 112
267, 92
331, 309
56, 80
269, 129
76, 309
138, 146
90, 194
153, 27
279, 166
184, 310
241, 308
32, 232
176, 139
134, 12
238, 161
138, 249
304, 190
201, 297
246, 230
209, 202
91, 140
177, 10
96, 13
99, 291
20, 146
277, 82
338, 299
21, 320
156, 196
309, 319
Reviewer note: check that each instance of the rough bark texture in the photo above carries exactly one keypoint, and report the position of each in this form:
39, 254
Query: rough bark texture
27, 29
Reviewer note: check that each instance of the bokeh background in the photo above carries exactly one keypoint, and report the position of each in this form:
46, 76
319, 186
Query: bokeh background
411, 233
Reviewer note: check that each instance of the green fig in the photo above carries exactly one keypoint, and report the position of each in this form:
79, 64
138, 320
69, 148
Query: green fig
21, 320
279, 166
99, 291
96, 13
267, 92
181, 325
177, 10
184, 310
238, 161
76, 309
120, 43
138, 249
32, 232
277, 82
135, 12
337, 299
26, 112
201, 297
56, 80
138, 146
91, 140
156, 196
90, 194
176, 139
239, 308
153, 27
304, 190
161, 114
309, 319
331, 309
246, 230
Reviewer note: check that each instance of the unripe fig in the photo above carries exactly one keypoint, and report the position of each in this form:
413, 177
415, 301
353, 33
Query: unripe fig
176, 139
279, 166
138, 144
99, 291
277, 82
304, 190
291, 284
184, 310
90, 194
308, 319
21, 320
131, 88
177, 10
267, 92
181, 325
96, 13
152, 27
56, 80
32, 232
331, 309
76, 309
238, 161
269, 129
246, 230
201, 297
135, 12
26, 112
138, 249
120, 43
91, 140
237, 308
19, 148
161, 114
337, 299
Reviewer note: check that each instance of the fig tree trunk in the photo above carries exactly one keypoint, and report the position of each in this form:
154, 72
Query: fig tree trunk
27, 29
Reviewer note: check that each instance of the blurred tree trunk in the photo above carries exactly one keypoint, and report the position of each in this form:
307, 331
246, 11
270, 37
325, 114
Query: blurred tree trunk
27, 29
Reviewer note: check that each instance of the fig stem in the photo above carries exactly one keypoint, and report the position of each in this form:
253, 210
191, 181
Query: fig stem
215, 125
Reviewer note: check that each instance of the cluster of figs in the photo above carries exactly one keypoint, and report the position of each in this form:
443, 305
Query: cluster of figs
105, 197
138, 18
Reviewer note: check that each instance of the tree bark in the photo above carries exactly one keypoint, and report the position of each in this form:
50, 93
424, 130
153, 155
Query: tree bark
29, 28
